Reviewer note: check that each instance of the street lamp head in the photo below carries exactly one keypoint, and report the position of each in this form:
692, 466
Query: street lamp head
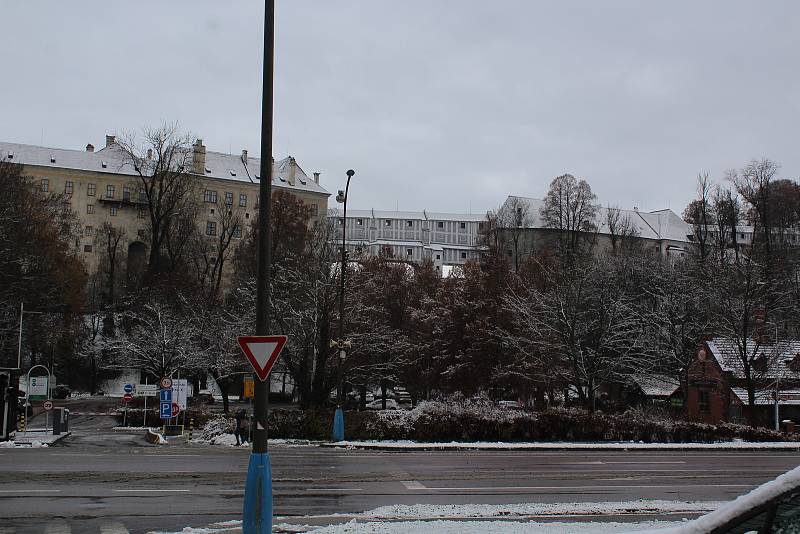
340, 196
350, 173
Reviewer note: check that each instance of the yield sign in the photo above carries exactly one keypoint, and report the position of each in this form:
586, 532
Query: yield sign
262, 351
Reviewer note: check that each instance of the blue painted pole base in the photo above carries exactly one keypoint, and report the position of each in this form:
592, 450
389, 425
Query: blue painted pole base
257, 517
338, 425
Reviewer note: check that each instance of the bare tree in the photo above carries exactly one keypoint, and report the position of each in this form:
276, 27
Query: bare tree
754, 183
162, 162
108, 238
513, 220
624, 234
570, 207
700, 214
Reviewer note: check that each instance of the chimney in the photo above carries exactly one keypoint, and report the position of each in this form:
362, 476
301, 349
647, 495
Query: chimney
316, 177
149, 153
292, 171
110, 140
244, 156
199, 157
90, 147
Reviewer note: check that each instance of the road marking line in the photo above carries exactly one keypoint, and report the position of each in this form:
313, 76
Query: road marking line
146, 490
113, 527
334, 489
591, 487
57, 526
413, 485
31, 491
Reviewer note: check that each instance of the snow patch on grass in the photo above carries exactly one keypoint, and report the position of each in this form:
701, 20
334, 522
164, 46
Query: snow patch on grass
487, 527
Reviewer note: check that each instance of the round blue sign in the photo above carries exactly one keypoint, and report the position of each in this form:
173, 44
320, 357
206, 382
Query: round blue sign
128, 388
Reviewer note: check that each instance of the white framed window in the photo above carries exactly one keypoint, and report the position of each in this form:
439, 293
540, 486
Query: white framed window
440, 225
89, 209
462, 225
210, 196
45, 185
409, 252
237, 231
88, 231
242, 200
387, 222
91, 190
463, 255
113, 211
228, 198
68, 186
110, 191
409, 223
211, 228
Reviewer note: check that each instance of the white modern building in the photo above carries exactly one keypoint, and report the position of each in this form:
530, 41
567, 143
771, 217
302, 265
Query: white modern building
446, 239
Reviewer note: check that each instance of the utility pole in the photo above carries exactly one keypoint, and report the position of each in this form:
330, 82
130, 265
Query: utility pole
257, 513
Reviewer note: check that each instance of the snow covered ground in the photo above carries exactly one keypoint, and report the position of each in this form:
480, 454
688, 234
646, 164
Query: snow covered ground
626, 445
481, 527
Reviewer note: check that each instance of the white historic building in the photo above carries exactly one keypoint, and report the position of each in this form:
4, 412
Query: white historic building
446, 239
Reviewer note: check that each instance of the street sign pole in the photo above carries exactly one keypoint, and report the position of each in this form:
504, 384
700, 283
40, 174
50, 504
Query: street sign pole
144, 415
257, 510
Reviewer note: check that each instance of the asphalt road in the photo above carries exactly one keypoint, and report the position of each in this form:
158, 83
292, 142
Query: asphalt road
118, 483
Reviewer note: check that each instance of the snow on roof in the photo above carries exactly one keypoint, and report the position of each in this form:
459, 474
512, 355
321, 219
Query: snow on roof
767, 396
656, 385
412, 215
659, 224
111, 160
778, 357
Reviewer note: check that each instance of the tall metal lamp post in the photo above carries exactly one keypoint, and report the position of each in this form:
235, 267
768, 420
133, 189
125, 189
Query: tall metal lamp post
341, 344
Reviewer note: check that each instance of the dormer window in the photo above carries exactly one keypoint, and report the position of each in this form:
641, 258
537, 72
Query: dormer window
233, 173
208, 171
52, 158
104, 164
10, 155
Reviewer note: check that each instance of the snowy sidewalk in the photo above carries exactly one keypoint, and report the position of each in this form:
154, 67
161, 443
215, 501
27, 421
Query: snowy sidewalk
557, 446
628, 516
32, 437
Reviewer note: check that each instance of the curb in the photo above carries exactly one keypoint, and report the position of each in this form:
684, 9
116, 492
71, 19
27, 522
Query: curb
58, 438
594, 447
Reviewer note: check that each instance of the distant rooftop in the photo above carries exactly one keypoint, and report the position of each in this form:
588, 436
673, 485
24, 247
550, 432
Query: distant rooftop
110, 159
410, 215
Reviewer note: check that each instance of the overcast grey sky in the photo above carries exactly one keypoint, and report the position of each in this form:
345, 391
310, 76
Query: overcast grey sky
443, 105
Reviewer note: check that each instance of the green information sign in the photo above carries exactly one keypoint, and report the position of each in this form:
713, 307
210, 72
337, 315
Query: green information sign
37, 389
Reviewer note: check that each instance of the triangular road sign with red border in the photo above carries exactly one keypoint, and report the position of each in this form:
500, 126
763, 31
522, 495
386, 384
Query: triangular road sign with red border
262, 351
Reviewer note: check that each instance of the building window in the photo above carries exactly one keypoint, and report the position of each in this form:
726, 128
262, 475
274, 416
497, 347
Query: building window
210, 196
242, 200
113, 211
211, 228
237, 231
341, 222
314, 210
480, 226
110, 191
360, 222
704, 401
126, 194
387, 222
228, 198
91, 189
45, 185
68, 187
463, 225
89, 209
88, 231
142, 195
438, 256
409, 223
463, 255
440, 225
409, 252
140, 213
87, 248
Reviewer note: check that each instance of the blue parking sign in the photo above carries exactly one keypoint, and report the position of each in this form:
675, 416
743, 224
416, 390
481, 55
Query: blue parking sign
166, 410
166, 395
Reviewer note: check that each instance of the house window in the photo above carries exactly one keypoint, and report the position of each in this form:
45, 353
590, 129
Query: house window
88, 231
462, 225
409, 252
140, 213
113, 211
126, 194
228, 198
68, 187
242, 200
314, 210
211, 228
89, 209
210, 196
704, 401
142, 195
45, 185
440, 225
463, 255
409, 223
360, 222
87, 248
110, 191
237, 231
480, 226
438, 256
91, 189
387, 222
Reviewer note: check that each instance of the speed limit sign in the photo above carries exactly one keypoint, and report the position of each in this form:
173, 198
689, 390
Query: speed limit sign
47, 405
166, 382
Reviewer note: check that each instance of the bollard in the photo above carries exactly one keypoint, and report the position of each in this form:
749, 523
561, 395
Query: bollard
191, 427
22, 421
